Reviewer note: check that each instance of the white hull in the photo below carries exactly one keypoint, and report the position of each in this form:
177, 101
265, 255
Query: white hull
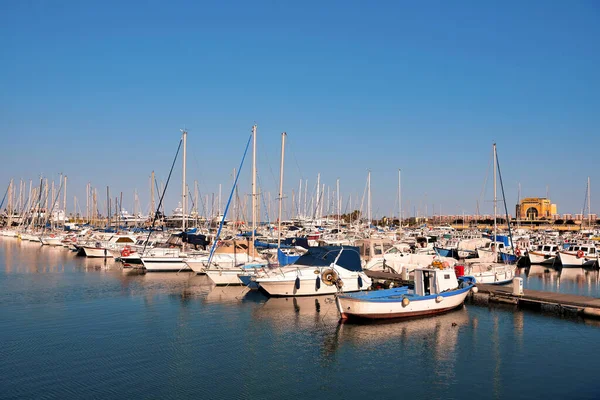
358, 308
224, 277
541, 258
492, 274
97, 252
569, 259
308, 285
51, 241
164, 264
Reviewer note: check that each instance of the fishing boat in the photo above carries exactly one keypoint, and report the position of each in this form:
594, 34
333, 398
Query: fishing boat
546, 254
579, 256
436, 290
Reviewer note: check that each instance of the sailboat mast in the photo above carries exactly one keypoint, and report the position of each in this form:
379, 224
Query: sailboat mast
253, 187
183, 187
283, 135
495, 194
152, 205
369, 199
65, 203
337, 191
588, 202
399, 197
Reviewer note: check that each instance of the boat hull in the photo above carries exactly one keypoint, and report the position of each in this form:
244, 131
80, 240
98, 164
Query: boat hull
569, 259
165, 264
308, 287
541, 258
97, 252
355, 308
224, 277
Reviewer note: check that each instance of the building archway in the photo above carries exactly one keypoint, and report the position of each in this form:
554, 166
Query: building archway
532, 213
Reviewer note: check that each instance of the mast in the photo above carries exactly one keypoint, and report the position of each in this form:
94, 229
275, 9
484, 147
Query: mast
152, 205
369, 199
283, 135
299, 198
183, 188
253, 186
589, 210
318, 195
337, 191
305, 196
399, 198
495, 195
65, 203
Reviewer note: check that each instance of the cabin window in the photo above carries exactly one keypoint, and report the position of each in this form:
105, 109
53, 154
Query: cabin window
446, 276
592, 251
378, 251
546, 248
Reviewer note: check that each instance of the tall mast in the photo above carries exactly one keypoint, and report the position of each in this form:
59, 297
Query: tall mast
305, 195
495, 194
369, 199
299, 198
183, 187
152, 205
253, 186
588, 202
65, 203
318, 200
283, 135
337, 191
399, 198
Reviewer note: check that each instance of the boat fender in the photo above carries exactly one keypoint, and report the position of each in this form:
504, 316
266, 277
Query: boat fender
318, 283
518, 252
579, 254
474, 289
297, 283
360, 282
405, 302
439, 299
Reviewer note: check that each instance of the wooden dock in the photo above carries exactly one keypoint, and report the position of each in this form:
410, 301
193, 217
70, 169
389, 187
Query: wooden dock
588, 306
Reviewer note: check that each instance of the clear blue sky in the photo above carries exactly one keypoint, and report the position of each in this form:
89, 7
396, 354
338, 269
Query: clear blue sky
99, 89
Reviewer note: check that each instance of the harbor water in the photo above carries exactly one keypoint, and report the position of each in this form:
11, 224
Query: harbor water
76, 328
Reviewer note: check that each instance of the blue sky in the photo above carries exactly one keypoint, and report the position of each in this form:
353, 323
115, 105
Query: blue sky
99, 91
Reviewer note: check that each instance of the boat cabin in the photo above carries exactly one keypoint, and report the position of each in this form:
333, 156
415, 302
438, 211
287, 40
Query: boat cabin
587, 250
373, 248
431, 281
494, 246
549, 249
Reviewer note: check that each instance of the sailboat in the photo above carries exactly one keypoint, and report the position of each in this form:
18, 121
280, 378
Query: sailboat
489, 271
171, 259
226, 272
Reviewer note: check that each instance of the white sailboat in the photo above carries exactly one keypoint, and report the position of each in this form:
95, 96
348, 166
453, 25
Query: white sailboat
171, 259
490, 271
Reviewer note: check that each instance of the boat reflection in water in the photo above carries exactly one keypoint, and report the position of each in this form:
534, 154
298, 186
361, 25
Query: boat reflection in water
580, 280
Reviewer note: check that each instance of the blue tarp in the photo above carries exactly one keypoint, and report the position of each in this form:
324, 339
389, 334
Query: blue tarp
325, 255
285, 259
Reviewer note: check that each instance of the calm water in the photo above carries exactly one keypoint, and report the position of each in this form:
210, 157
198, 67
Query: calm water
79, 328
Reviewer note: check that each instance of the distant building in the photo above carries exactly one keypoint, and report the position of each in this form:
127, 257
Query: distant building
535, 208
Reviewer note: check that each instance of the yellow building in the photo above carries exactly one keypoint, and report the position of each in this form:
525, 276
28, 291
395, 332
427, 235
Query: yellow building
535, 208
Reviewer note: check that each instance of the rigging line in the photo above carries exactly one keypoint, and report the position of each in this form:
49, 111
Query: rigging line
4, 198
291, 150
162, 196
212, 249
505, 208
